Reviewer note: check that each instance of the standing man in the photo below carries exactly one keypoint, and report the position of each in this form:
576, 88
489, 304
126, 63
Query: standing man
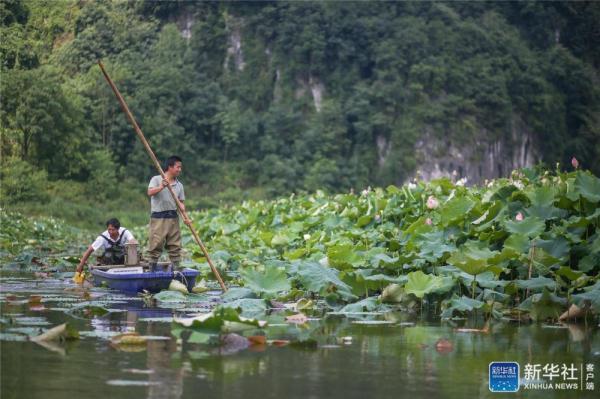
164, 222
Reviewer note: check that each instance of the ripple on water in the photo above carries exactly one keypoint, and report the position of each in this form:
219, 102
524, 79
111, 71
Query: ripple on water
135, 383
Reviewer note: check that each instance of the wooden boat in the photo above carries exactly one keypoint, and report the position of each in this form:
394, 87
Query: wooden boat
137, 278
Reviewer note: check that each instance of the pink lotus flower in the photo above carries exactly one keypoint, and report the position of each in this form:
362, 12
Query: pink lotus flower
428, 222
575, 162
519, 217
432, 203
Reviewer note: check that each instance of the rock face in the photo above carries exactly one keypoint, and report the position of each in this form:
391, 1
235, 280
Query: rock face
234, 44
479, 159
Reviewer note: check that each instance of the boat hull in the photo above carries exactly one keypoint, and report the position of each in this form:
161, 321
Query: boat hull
148, 281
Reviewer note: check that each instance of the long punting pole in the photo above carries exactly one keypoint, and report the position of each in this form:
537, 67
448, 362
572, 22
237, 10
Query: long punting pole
139, 133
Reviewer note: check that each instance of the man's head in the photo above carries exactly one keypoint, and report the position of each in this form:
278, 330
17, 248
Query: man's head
173, 165
113, 225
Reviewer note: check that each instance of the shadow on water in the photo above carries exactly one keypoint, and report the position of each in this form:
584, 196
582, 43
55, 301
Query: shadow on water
334, 356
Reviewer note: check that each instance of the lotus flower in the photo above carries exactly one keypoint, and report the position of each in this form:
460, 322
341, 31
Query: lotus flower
432, 203
575, 162
519, 217
428, 221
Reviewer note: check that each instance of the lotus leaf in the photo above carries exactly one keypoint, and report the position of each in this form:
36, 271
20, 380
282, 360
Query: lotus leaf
530, 226
270, 281
420, 284
588, 186
472, 258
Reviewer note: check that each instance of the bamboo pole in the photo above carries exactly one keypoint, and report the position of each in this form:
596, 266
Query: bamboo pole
142, 138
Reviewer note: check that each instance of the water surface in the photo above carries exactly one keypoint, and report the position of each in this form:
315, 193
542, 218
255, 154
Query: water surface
338, 359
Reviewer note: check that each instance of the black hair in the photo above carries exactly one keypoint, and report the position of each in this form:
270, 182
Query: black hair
171, 161
114, 222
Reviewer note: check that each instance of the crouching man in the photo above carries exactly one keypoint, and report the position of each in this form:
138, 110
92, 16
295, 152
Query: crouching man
113, 241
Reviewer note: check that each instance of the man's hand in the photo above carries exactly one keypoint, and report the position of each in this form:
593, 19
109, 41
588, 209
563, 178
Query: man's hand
187, 221
79, 277
152, 191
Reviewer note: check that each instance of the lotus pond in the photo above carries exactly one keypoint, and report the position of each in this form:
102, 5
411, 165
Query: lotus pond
355, 354
404, 290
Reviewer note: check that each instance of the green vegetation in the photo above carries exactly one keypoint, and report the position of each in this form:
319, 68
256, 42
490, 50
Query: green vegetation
529, 243
38, 244
245, 122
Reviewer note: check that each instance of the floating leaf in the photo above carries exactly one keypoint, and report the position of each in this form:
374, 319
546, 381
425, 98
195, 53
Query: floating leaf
234, 293
219, 320
170, 296
247, 305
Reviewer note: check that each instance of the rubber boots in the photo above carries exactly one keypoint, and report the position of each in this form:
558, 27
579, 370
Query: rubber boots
153, 266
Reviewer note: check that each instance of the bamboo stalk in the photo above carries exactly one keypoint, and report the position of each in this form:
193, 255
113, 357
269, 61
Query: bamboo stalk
142, 138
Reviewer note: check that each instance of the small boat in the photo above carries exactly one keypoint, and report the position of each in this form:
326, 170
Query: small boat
133, 279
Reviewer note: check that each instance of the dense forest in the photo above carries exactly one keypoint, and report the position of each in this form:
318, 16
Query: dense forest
264, 98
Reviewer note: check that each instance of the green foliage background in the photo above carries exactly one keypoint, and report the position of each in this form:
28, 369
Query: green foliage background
247, 126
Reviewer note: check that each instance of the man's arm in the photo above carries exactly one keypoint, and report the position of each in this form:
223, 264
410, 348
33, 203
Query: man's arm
152, 191
84, 258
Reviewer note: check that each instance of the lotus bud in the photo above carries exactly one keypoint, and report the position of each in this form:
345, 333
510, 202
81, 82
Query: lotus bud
428, 221
575, 162
519, 217
432, 203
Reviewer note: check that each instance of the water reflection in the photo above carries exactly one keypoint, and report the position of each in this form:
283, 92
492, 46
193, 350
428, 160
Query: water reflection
330, 357
166, 380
